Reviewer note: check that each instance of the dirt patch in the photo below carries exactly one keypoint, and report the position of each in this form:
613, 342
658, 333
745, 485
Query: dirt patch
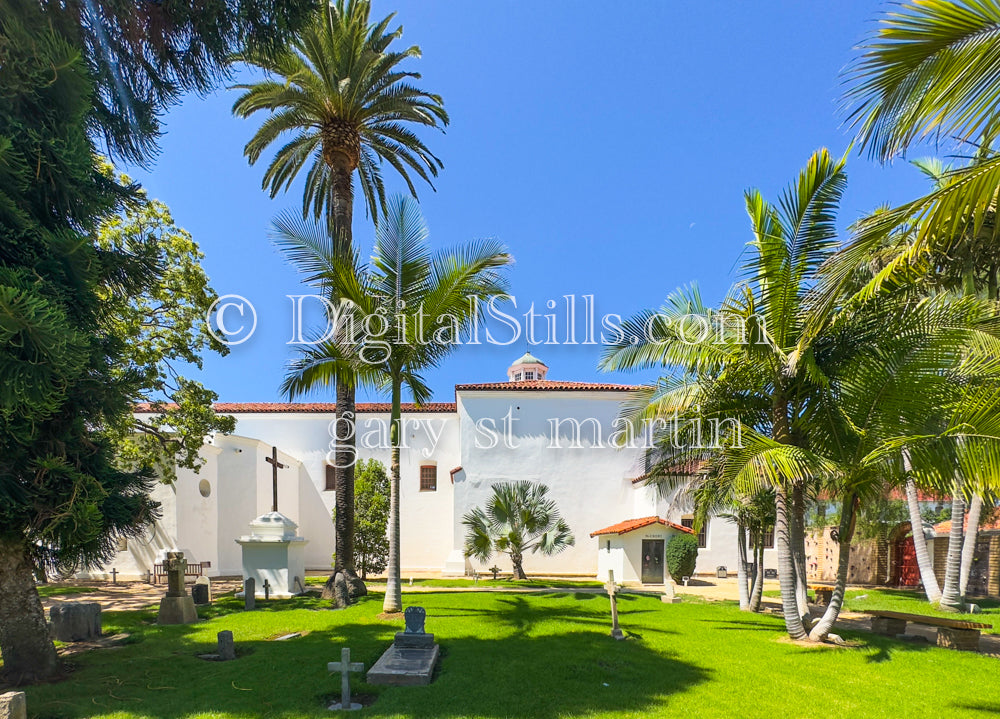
391, 616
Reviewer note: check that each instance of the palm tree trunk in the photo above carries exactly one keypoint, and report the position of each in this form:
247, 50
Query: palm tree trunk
341, 218
847, 522
28, 652
951, 597
757, 592
517, 561
786, 567
927, 576
741, 565
969, 544
797, 525
346, 460
393, 588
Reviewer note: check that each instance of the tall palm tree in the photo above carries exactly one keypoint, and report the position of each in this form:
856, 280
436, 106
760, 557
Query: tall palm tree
771, 364
405, 282
341, 100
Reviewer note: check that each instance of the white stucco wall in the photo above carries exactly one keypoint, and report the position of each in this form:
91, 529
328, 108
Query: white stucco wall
426, 518
623, 552
591, 484
187, 523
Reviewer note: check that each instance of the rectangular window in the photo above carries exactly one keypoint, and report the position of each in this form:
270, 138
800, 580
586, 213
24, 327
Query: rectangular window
529, 374
702, 533
769, 539
428, 478
331, 478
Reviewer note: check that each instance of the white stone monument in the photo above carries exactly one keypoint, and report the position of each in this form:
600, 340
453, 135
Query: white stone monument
273, 553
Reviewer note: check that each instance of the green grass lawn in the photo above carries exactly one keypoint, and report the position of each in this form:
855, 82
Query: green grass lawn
912, 601
61, 590
510, 655
488, 583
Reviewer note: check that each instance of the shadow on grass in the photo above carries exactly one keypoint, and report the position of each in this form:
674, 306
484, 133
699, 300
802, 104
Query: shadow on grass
981, 708
551, 675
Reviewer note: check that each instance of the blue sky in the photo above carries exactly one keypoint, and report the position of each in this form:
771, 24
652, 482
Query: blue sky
608, 145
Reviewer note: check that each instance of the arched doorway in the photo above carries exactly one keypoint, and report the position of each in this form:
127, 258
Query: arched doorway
905, 572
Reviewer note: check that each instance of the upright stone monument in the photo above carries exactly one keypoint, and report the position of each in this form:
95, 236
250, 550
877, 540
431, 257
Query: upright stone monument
411, 658
177, 607
273, 553
249, 594
201, 592
226, 649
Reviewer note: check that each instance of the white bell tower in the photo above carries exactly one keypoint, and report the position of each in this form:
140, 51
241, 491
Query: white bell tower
527, 368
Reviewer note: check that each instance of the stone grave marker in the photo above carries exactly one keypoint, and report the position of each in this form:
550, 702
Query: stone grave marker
75, 621
669, 594
177, 607
249, 594
13, 706
225, 648
201, 592
612, 589
411, 658
345, 666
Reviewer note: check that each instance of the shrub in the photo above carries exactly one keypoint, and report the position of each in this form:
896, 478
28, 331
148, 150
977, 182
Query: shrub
682, 553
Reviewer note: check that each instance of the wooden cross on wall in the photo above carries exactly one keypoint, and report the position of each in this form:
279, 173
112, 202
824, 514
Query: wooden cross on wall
276, 465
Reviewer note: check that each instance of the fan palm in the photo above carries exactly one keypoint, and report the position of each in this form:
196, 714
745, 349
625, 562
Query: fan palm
342, 102
428, 298
519, 518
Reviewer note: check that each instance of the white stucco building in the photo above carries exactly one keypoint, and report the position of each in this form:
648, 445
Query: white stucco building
528, 427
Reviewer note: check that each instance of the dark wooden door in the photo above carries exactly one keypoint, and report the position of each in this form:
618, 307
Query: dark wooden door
652, 561
906, 573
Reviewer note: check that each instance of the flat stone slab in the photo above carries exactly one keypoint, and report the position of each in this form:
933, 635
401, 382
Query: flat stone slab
405, 666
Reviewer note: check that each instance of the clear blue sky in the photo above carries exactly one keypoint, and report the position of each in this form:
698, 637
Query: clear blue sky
607, 144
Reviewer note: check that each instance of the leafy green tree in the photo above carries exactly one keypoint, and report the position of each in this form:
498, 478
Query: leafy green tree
71, 368
682, 555
372, 517
519, 518
428, 298
167, 332
341, 98
63, 502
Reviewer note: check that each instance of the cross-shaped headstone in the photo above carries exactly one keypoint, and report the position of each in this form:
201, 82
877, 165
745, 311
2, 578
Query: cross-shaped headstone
275, 466
345, 666
612, 589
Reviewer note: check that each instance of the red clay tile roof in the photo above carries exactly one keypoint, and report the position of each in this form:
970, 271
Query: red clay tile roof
547, 385
632, 524
310, 407
945, 526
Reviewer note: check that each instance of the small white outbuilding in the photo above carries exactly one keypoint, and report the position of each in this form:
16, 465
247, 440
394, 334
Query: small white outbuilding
635, 549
